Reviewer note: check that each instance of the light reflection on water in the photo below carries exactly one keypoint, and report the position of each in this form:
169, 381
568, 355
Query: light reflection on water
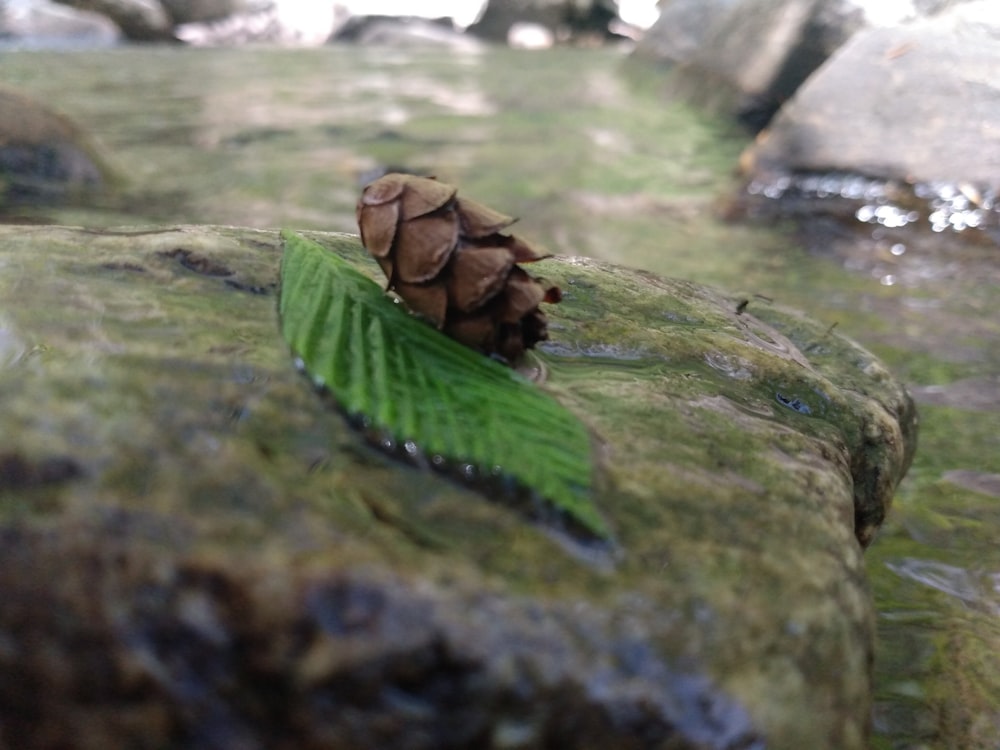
595, 167
939, 206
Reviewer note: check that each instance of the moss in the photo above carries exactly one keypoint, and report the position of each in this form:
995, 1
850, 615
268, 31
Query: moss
152, 359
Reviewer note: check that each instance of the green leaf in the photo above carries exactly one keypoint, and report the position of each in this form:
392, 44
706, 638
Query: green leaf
418, 385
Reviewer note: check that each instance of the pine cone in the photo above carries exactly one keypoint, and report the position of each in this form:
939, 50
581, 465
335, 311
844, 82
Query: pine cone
446, 258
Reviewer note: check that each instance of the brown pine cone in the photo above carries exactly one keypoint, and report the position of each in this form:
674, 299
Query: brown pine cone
446, 258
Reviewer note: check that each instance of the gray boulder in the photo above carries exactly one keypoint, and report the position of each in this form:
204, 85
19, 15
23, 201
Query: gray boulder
197, 550
41, 23
139, 20
917, 102
746, 57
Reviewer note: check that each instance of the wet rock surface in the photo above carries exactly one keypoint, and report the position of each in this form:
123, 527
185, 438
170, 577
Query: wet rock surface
199, 552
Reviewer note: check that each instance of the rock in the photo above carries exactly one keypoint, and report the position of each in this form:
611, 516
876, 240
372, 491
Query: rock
44, 156
747, 57
564, 19
42, 23
962, 693
918, 103
201, 11
283, 22
967, 689
681, 30
405, 32
139, 20
196, 550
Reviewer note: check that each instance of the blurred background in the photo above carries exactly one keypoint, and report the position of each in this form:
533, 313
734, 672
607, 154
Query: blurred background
837, 156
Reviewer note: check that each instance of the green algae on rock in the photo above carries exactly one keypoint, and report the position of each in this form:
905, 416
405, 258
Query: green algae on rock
225, 561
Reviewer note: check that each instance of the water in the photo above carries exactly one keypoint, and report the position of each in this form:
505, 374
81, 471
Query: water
595, 163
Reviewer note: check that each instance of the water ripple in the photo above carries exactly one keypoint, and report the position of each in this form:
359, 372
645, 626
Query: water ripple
977, 590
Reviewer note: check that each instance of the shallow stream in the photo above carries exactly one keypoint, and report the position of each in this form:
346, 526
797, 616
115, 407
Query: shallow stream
595, 162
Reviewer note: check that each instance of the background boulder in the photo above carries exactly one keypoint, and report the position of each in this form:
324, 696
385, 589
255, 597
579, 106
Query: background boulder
918, 102
33, 23
746, 58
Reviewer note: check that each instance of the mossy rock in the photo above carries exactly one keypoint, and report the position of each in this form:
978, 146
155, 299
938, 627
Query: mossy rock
45, 156
199, 551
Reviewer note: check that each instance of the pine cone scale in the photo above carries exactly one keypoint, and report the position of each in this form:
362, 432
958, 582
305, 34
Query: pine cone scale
385, 190
426, 246
523, 294
422, 200
379, 231
429, 300
480, 221
477, 275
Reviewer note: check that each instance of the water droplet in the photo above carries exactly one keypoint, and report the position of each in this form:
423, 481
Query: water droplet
898, 249
888, 280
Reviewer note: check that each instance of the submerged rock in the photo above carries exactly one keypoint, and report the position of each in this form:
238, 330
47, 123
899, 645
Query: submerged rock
197, 551
45, 156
